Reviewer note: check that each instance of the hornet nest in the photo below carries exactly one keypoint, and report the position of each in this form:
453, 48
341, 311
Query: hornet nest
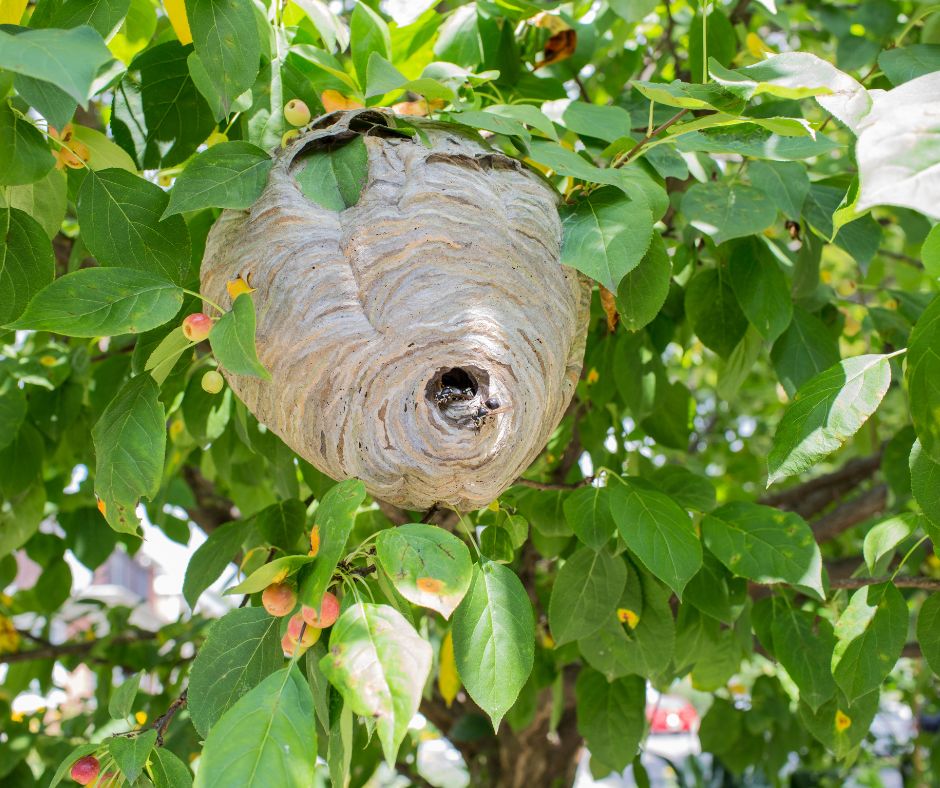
426, 339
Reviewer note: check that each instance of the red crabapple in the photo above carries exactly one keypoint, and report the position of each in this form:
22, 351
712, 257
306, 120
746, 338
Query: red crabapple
279, 599
86, 769
196, 327
329, 612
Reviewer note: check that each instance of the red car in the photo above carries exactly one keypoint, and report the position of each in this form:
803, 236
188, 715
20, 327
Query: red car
671, 714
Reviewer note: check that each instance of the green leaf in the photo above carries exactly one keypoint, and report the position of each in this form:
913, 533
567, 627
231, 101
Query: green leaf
12, 410
282, 524
233, 340
922, 377
130, 441
383, 77
725, 211
803, 644
606, 235
241, 650
870, 636
427, 565
587, 511
120, 218
796, 75
130, 753
333, 178
928, 631
930, 252
161, 361
611, 716
828, 723
225, 35
211, 558
657, 531
20, 516
608, 122
494, 639
785, 183
44, 200
925, 482
380, 665
898, 148
642, 292
688, 489
330, 27
104, 17
227, 175
884, 537
69, 59
269, 737
713, 309
646, 649
205, 415
24, 155
53, 103
902, 64
762, 290
720, 43
333, 522
632, 180
168, 771
276, 571
368, 33
691, 96
526, 113
827, 410
122, 698
805, 349
585, 594
765, 545
26, 262
158, 115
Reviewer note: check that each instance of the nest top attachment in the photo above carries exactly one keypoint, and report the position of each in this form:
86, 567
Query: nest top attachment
420, 331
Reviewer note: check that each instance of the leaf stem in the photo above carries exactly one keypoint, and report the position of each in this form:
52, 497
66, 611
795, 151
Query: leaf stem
908, 555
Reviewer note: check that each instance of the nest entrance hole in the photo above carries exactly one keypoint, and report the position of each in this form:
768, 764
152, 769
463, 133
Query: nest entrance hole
459, 392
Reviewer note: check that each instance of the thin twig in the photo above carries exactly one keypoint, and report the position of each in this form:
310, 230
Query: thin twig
553, 485
162, 722
630, 154
927, 583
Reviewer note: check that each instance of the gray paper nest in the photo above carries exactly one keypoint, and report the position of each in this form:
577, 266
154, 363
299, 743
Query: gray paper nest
425, 340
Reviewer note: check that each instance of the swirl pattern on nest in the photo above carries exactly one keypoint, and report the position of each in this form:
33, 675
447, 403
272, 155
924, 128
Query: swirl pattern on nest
444, 274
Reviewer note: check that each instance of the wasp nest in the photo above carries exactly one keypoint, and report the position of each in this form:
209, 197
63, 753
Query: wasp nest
425, 339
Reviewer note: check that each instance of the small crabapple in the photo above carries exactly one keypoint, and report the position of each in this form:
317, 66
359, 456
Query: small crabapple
294, 628
212, 382
279, 599
85, 770
297, 113
329, 612
196, 327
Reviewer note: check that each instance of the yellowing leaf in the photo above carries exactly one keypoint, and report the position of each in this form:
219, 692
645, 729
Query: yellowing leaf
628, 617
593, 376
843, 721
333, 100
756, 46
314, 541
448, 682
11, 11
176, 13
238, 286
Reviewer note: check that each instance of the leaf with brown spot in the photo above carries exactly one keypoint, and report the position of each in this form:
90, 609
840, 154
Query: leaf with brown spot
427, 565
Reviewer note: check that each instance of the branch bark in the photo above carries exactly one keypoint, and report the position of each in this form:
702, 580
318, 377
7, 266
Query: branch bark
56, 651
927, 583
851, 513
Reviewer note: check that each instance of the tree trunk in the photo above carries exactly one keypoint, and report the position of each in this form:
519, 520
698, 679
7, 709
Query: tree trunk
533, 757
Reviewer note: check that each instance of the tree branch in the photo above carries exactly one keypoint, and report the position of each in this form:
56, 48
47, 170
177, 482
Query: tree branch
211, 509
851, 513
812, 496
553, 485
162, 722
73, 649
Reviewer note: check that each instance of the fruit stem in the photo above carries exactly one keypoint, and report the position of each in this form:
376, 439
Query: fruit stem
200, 295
